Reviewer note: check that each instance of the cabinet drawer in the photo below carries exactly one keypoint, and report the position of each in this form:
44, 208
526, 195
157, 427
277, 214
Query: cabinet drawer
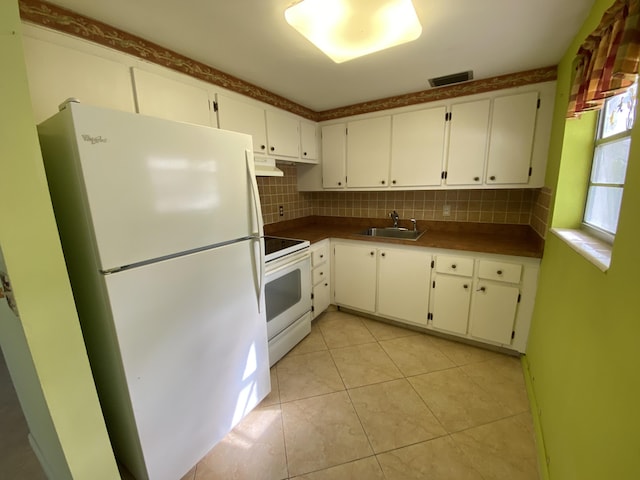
500, 271
454, 265
319, 255
320, 274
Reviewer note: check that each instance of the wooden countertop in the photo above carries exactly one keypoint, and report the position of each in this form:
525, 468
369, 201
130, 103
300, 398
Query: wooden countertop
519, 240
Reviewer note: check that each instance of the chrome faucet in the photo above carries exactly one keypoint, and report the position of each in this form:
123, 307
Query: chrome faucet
395, 217
415, 224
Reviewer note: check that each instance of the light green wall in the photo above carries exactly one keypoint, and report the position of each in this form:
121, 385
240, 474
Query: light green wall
44, 349
585, 335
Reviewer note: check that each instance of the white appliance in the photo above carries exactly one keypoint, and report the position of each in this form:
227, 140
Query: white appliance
287, 294
160, 224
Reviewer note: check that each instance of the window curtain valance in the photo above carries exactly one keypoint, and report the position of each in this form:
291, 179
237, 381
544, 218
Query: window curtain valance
607, 62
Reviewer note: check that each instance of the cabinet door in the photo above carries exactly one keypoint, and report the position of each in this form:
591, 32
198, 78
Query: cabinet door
308, 141
450, 303
493, 311
369, 152
417, 148
321, 297
403, 284
57, 73
162, 97
334, 141
243, 117
354, 276
467, 143
283, 134
511, 139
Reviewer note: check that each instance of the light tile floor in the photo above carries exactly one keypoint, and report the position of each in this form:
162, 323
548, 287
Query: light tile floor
361, 399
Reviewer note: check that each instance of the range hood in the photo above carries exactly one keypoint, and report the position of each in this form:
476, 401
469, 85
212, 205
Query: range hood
266, 167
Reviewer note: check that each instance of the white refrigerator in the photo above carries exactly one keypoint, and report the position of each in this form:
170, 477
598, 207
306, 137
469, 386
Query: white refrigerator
160, 224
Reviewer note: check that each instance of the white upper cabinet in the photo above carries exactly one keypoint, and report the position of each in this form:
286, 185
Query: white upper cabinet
309, 141
468, 129
512, 129
417, 147
275, 134
164, 97
244, 117
56, 73
334, 141
490, 140
283, 135
368, 152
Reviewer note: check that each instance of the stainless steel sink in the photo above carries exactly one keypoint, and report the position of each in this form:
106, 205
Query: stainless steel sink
393, 232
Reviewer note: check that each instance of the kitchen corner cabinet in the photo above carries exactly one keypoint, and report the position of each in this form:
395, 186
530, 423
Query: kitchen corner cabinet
482, 297
368, 152
417, 147
468, 133
308, 142
163, 97
283, 135
321, 277
334, 150
392, 282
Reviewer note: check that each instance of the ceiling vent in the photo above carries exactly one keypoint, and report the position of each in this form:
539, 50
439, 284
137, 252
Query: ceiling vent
451, 79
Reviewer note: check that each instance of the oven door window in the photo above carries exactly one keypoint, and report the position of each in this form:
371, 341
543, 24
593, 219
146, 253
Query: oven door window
283, 293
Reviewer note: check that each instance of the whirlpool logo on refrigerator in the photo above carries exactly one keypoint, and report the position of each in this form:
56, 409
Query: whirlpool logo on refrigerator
93, 140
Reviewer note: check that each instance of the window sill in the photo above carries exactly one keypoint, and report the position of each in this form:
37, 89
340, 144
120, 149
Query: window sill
590, 247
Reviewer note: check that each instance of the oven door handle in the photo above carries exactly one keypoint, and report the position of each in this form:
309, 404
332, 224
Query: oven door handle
255, 194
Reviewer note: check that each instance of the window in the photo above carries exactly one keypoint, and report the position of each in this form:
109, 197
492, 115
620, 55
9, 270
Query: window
609, 167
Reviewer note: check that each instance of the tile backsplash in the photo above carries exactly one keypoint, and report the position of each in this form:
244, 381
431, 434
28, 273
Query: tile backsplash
283, 191
512, 206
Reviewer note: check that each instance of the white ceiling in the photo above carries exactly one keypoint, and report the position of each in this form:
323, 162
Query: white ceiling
251, 40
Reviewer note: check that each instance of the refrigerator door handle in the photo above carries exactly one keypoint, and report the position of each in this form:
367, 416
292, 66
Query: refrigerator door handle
258, 214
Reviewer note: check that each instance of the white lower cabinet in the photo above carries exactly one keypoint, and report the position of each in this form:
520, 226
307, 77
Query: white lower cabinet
392, 282
451, 293
321, 277
482, 297
495, 301
354, 276
493, 312
403, 284
450, 303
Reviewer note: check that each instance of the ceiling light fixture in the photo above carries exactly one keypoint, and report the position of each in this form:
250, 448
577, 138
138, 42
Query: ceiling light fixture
347, 29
